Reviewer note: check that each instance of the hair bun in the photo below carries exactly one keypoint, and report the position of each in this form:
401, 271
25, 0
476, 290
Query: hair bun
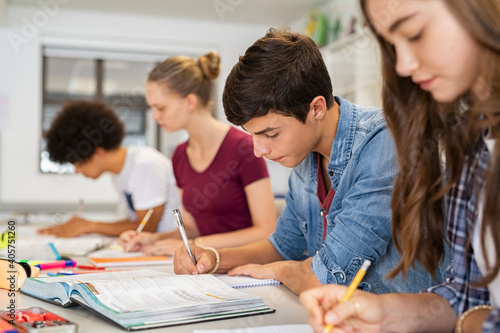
210, 65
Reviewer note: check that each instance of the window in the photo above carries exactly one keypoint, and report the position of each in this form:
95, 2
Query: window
112, 77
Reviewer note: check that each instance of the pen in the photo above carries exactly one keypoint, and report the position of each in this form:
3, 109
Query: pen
88, 267
57, 264
352, 287
178, 218
144, 220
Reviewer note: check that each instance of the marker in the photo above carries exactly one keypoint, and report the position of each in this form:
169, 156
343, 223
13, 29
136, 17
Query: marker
352, 287
57, 264
53, 248
32, 262
144, 220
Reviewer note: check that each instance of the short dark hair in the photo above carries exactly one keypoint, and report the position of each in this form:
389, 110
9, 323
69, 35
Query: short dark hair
79, 128
281, 72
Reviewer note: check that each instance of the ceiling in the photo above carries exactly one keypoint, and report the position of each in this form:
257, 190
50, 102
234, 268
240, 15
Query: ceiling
270, 12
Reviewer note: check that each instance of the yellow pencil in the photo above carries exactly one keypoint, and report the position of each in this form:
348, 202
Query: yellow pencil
80, 207
144, 220
352, 287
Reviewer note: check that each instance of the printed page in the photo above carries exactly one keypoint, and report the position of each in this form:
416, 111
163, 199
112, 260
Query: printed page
161, 292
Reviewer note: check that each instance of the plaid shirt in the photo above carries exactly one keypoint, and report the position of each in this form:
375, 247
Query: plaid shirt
463, 271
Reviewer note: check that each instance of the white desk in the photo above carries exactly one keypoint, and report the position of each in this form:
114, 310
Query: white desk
287, 305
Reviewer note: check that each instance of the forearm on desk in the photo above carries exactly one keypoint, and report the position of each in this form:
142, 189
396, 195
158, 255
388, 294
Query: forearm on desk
297, 275
261, 252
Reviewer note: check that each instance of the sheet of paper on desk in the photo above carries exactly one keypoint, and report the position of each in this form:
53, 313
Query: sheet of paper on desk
114, 251
80, 246
264, 329
30, 247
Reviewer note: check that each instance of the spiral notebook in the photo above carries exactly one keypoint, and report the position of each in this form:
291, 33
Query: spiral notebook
240, 281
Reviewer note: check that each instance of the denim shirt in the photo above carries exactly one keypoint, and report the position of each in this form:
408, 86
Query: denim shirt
361, 168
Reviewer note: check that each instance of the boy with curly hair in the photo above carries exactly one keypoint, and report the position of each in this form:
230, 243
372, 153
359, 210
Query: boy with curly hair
88, 134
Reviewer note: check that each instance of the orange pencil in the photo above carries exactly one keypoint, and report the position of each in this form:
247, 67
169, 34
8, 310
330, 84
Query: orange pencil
352, 287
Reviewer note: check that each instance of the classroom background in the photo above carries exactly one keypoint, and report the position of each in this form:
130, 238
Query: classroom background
55, 50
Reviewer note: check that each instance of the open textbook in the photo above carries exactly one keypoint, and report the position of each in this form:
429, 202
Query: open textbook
147, 298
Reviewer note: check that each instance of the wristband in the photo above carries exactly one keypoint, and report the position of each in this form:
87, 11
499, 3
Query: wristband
461, 318
217, 259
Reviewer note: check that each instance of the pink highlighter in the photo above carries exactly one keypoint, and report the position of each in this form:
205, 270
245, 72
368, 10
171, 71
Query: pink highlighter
57, 264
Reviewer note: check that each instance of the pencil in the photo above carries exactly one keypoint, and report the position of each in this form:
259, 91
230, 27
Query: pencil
144, 220
80, 207
352, 287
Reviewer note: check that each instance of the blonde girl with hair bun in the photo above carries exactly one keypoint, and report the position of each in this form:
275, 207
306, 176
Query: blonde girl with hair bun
225, 190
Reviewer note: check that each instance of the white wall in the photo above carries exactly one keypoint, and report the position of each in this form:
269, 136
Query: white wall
20, 86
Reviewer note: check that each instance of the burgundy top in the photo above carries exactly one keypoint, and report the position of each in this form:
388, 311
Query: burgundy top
325, 199
216, 196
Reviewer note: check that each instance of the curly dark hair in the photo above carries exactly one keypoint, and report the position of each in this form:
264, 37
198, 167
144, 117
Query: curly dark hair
79, 128
281, 72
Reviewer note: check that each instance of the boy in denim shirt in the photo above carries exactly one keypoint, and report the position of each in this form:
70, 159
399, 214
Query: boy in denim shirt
337, 211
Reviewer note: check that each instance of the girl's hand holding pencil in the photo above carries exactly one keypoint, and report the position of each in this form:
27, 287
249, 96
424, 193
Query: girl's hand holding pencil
345, 308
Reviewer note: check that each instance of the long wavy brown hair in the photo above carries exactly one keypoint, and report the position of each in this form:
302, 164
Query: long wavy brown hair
427, 133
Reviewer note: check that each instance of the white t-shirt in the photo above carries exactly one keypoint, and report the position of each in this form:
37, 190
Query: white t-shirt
494, 285
146, 181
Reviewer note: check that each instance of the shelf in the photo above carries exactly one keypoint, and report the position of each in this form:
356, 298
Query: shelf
347, 41
353, 64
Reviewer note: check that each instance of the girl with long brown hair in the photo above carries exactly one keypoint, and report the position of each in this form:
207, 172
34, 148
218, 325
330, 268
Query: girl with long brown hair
441, 71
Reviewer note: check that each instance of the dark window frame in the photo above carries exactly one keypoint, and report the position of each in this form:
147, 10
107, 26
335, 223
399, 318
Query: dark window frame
116, 102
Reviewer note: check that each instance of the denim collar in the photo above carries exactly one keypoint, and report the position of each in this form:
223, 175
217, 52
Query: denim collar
342, 143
